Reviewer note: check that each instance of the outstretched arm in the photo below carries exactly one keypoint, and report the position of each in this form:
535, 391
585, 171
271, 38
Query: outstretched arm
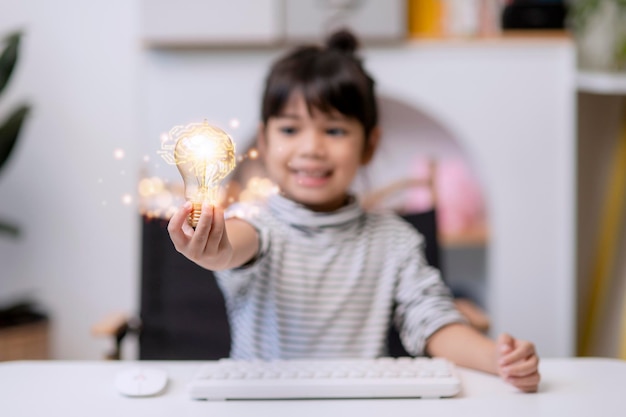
215, 244
514, 360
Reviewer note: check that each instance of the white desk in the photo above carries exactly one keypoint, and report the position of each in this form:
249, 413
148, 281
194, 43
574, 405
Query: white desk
570, 387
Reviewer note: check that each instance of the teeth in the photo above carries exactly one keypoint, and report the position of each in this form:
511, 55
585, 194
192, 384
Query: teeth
318, 174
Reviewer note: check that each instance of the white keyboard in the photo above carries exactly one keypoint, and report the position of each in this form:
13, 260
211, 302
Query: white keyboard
229, 379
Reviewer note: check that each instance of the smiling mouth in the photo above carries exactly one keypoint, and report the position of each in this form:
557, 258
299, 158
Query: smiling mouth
313, 173
312, 177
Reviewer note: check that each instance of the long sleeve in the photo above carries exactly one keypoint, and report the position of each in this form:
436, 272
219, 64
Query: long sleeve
423, 301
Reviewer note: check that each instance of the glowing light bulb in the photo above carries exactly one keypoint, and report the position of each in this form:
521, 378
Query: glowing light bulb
204, 155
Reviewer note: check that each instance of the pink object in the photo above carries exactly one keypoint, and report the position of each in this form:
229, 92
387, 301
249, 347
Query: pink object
460, 202
420, 198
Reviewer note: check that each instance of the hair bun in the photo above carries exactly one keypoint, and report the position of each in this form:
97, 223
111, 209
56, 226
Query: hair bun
343, 40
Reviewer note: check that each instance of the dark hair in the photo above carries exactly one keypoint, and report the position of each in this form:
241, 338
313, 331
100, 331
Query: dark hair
330, 78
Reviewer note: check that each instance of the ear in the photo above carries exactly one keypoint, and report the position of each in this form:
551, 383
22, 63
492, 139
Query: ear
372, 145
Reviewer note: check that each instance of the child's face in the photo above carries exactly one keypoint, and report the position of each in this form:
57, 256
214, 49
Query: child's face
313, 158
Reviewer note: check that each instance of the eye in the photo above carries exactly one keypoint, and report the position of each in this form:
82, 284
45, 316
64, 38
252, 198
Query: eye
336, 131
288, 130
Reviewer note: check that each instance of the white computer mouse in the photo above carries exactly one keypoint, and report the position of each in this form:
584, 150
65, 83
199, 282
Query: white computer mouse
140, 381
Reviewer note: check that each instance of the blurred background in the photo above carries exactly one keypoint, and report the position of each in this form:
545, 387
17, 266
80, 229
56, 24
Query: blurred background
511, 111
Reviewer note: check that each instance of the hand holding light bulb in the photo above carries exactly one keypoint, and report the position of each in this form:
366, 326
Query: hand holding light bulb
204, 155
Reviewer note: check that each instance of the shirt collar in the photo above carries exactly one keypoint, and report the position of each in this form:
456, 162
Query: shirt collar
299, 216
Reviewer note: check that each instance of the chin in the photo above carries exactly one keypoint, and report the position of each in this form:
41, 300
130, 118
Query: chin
317, 205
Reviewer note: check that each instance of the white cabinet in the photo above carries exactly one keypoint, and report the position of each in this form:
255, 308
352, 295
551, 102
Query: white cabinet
511, 105
193, 23
370, 19
218, 23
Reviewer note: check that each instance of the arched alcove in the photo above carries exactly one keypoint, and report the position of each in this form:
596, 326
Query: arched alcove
421, 164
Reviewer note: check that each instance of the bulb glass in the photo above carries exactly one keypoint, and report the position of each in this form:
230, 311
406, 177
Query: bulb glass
204, 155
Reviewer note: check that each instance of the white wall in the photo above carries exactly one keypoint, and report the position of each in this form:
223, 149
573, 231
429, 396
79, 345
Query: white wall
78, 253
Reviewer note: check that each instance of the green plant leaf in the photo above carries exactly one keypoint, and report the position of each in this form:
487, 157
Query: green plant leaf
11, 126
580, 12
9, 58
9, 132
9, 229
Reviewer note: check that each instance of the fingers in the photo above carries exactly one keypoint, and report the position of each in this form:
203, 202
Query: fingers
505, 344
521, 368
206, 237
518, 363
519, 351
218, 229
210, 231
203, 228
175, 226
528, 383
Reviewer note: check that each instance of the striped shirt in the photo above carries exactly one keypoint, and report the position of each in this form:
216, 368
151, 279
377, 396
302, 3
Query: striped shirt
324, 285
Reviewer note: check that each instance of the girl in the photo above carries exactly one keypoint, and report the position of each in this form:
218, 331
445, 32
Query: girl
309, 274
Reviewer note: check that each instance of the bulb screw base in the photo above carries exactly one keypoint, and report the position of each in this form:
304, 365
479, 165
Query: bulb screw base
194, 216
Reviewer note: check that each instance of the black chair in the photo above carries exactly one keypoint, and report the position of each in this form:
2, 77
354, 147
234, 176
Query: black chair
426, 224
182, 313
425, 221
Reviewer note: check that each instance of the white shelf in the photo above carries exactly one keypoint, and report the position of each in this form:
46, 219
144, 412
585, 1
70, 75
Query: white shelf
602, 83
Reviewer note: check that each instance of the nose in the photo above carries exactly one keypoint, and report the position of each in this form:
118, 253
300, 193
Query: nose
312, 144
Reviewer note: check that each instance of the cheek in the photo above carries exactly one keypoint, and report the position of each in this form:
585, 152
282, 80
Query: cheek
275, 149
275, 159
351, 158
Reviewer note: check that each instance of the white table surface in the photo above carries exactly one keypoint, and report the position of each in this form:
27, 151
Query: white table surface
570, 387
